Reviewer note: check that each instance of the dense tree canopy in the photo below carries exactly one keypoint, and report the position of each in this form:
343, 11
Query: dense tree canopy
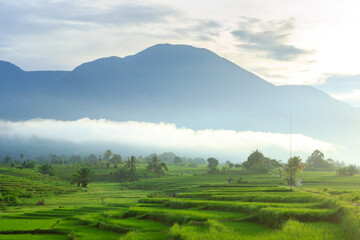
257, 162
317, 162
178, 160
116, 158
212, 164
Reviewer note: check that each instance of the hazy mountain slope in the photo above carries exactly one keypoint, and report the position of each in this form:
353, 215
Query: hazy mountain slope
21, 92
162, 83
180, 84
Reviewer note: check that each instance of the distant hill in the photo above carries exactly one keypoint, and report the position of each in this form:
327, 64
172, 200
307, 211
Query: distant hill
22, 92
180, 84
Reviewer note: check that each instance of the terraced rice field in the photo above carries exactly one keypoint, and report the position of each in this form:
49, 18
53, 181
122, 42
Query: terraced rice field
203, 208
240, 212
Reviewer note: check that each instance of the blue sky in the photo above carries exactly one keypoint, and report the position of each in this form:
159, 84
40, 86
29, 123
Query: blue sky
285, 42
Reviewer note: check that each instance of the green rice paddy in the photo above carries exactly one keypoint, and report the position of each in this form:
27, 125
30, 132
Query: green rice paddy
205, 206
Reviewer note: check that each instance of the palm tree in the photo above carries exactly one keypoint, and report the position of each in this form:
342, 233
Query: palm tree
83, 176
131, 165
293, 167
46, 169
157, 166
107, 154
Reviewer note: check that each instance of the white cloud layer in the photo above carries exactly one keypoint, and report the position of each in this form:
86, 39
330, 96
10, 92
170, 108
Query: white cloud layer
165, 137
352, 97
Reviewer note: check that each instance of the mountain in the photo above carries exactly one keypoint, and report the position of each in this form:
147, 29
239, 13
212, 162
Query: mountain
191, 87
20, 89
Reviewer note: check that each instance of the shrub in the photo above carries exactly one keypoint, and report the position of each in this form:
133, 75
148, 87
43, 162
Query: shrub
229, 181
71, 235
355, 199
240, 180
10, 199
41, 202
46, 169
157, 195
175, 232
28, 164
349, 170
194, 165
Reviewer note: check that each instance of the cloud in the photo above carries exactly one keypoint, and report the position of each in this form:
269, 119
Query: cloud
341, 82
62, 34
38, 16
268, 37
203, 30
342, 87
161, 137
352, 97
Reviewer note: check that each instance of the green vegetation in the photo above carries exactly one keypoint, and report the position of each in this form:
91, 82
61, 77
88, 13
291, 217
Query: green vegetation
156, 166
28, 164
317, 162
83, 176
212, 164
293, 167
349, 170
258, 163
46, 169
141, 200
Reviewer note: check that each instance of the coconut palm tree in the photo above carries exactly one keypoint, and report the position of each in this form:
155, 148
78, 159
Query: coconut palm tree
131, 165
156, 166
83, 176
293, 167
107, 155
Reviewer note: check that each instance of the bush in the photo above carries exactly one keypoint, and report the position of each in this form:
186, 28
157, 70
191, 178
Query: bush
71, 236
349, 170
240, 180
9, 199
157, 195
175, 232
194, 165
28, 164
41, 202
46, 169
355, 199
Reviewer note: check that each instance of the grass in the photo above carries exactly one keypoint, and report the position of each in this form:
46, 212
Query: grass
32, 236
291, 230
205, 206
25, 224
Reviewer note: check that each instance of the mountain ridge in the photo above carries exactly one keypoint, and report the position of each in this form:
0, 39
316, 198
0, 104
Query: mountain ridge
179, 84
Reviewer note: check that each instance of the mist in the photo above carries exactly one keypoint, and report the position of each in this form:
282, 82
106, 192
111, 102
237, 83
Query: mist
86, 136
